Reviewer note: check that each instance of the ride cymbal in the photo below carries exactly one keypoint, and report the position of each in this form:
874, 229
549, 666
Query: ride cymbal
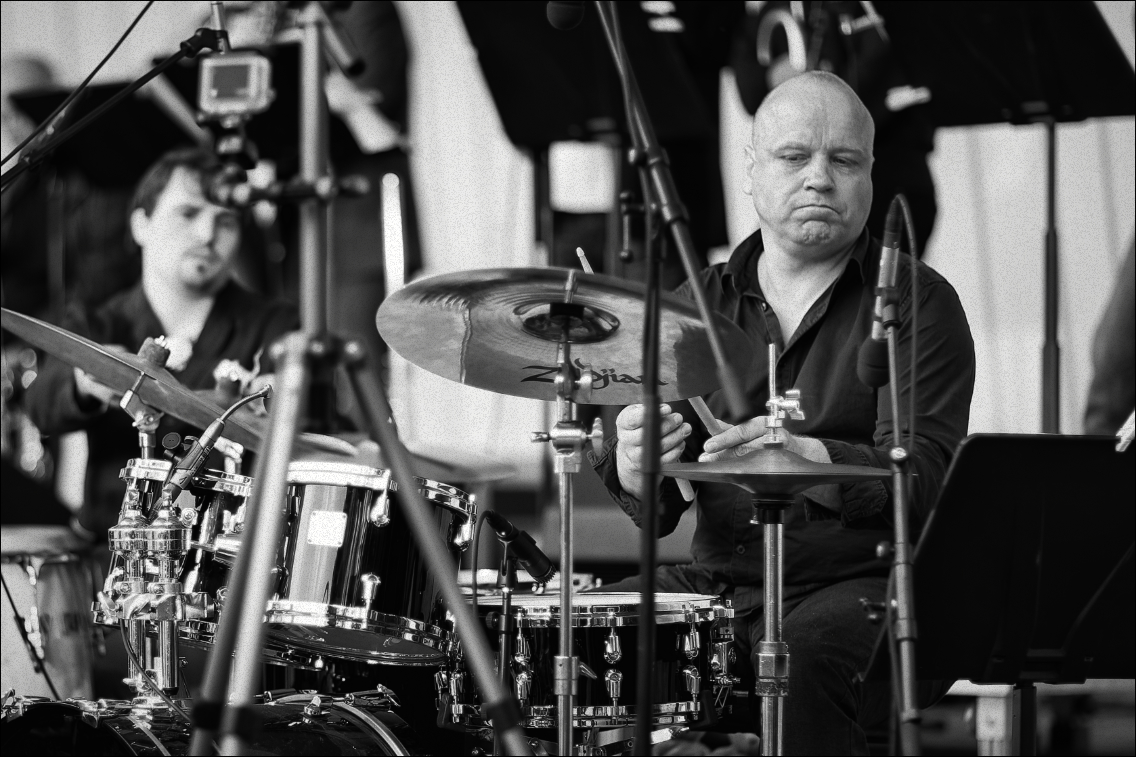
499, 329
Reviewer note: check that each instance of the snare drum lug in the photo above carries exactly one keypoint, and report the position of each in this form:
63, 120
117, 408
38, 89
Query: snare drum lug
693, 680
585, 670
613, 652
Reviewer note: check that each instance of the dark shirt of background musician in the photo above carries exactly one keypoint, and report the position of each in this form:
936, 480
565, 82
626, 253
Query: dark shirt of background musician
853, 422
904, 138
238, 325
1112, 394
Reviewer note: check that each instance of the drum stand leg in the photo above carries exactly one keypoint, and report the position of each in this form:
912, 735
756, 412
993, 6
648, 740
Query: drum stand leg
772, 651
507, 583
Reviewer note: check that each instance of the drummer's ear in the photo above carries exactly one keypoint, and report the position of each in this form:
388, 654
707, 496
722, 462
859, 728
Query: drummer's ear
139, 226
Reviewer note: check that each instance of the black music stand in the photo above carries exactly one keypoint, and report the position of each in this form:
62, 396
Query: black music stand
1024, 573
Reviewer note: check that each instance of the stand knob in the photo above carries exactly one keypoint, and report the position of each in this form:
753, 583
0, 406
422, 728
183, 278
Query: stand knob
596, 435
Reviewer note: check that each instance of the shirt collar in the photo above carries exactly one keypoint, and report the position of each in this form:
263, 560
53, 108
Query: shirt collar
743, 262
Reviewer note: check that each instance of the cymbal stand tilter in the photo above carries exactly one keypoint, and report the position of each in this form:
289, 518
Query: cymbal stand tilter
568, 437
769, 512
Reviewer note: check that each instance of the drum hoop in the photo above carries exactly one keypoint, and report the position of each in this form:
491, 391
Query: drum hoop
219, 481
669, 608
319, 615
337, 474
540, 716
446, 495
377, 725
147, 469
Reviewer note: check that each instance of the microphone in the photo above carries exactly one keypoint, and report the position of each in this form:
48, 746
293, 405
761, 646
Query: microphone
872, 363
528, 553
564, 15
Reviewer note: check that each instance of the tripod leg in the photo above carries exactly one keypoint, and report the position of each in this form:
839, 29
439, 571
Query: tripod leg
253, 574
500, 706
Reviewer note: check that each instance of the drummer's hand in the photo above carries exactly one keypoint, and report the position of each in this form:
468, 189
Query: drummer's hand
629, 451
737, 440
744, 438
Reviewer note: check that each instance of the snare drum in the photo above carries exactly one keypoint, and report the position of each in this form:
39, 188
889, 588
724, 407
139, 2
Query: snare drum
50, 583
693, 648
353, 583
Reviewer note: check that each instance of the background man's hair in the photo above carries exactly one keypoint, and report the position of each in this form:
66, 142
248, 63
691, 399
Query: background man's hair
202, 163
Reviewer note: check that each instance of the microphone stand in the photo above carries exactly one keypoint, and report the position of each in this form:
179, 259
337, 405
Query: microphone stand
305, 358
202, 39
901, 612
660, 195
507, 583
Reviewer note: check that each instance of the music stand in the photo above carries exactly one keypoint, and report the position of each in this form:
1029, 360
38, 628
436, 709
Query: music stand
1024, 573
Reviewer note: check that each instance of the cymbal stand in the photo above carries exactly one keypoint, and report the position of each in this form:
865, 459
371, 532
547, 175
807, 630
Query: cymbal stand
769, 512
568, 438
304, 359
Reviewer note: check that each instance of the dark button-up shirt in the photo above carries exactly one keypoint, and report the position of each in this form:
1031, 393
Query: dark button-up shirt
852, 421
239, 325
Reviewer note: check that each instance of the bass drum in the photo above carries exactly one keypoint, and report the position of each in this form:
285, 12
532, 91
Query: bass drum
292, 725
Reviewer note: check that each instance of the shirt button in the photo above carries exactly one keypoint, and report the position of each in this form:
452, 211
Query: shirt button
740, 549
765, 306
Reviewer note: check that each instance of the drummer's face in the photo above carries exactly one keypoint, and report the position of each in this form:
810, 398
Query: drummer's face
809, 167
187, 238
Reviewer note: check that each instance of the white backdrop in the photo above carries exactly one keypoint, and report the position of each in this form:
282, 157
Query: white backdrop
474, 191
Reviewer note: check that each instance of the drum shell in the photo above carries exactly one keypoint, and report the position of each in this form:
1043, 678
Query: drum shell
674, 703
319, 603
85, 727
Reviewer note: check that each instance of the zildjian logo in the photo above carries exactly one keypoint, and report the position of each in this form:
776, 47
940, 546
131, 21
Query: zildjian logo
547, 375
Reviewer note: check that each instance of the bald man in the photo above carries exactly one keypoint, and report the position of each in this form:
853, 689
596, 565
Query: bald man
805, 282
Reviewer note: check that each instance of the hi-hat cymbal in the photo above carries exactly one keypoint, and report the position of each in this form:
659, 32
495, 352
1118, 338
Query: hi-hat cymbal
119, 371
774, 472
498, 329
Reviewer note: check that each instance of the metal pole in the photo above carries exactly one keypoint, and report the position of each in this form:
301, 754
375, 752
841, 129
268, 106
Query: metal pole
1051, 353
773, 653
313, 167
566, 673
263, 533
903, 613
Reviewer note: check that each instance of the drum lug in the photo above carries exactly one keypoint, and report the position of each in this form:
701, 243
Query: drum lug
380, 511
613, 652
464, 536
314, 708
691, 643
370, 585
522, 685
613, 679
521, 652
693, 681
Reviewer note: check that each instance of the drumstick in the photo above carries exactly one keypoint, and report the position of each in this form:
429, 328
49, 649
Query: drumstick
584, 260
712, 424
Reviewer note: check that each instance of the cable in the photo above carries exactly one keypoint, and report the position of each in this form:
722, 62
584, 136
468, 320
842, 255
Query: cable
473, 554
41, 663
75, 93
174, 708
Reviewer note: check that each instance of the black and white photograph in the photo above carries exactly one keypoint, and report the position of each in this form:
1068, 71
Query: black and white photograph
472, 377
